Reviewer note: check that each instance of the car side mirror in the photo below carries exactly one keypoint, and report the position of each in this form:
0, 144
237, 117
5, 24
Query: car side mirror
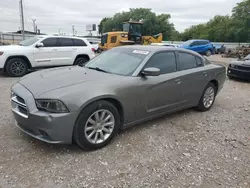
39, 45
151, 71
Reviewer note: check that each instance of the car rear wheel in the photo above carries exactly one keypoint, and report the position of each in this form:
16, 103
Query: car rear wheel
16, 67
97, 125
208, 53
81, 61
207, 99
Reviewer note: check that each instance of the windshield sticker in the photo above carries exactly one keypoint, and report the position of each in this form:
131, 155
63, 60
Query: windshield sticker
141, 52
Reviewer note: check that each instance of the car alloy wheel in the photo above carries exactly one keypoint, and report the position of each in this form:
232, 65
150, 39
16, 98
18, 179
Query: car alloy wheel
18, 68
208, 53
209, 97
99, 126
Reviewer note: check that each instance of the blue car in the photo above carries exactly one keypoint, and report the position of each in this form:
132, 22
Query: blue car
203, 47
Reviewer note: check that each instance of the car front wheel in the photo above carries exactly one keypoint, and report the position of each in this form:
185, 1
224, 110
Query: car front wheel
96, 125
208, 97
16, 67
208, 53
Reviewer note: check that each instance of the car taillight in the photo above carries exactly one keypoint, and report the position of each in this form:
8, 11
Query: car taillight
1, 53
93, 49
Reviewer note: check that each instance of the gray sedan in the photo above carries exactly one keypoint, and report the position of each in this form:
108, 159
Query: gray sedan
117, 89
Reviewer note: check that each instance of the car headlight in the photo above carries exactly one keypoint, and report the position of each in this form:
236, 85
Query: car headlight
51, 105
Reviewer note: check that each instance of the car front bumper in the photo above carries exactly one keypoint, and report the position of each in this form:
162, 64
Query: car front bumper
56, 128
237, 73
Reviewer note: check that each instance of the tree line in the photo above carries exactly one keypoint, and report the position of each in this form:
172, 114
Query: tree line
234, 28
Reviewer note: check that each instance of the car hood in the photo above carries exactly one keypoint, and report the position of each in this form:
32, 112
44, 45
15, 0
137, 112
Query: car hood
244, 63
41, 82
11, 47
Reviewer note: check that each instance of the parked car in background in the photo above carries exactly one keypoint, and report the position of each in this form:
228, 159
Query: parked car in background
219, 48
44, 51
95, 43
239, 69
164, 44
203, 47
119, 88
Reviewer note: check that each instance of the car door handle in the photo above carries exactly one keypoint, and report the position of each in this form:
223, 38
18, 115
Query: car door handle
54, 49
177, 81
74, 48
205, 74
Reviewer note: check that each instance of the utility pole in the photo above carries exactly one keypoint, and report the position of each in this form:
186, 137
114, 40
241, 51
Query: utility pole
73, 29
34, 25
22, 18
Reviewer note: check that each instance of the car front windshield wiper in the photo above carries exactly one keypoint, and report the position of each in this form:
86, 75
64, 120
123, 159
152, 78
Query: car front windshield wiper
97, 69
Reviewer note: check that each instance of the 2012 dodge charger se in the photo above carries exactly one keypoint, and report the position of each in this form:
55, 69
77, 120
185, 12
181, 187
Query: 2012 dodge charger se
119, 88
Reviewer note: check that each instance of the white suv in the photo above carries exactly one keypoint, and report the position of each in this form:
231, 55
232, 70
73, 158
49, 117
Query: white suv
44, 51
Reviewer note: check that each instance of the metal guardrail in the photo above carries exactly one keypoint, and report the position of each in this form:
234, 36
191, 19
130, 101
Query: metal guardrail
11, 38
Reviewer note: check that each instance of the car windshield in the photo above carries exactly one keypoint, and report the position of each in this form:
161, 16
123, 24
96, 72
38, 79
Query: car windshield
30, 41
121, 61
187, 43
247, 57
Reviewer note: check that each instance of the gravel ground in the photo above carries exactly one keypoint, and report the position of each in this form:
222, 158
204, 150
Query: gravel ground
185, 149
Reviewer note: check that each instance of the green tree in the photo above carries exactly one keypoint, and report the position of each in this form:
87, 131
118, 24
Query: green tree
152, 24
235, 28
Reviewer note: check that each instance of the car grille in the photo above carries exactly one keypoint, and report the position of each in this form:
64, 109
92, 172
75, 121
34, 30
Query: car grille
246, 68
18, 105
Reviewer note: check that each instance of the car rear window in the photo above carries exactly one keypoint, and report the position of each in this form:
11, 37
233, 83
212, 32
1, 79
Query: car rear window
79, 42
65, 42
187, 61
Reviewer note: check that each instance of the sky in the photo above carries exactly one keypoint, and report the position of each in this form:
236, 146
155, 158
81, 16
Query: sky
54, 15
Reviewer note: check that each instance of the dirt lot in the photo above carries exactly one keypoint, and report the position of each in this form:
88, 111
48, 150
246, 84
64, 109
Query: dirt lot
186, 149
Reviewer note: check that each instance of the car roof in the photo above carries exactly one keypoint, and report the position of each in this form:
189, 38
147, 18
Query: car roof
61, 36
199, 40
156, 48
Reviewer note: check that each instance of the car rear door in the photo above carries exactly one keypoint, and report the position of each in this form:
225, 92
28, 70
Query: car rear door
160, 93
193, 76
46, 55
66, 51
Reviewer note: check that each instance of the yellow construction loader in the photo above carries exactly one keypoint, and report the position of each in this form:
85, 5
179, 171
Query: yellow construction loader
131, 34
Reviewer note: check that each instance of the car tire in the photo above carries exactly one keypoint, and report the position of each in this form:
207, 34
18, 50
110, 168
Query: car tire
208, 97
208, 53
91, 133
81, 61
16, 67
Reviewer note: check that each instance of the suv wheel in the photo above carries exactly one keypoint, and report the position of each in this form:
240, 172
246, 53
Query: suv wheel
81, 61
16, 67
96, 125
208, 53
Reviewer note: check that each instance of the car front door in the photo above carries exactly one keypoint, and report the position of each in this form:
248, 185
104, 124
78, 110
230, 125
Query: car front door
47, 54
193, 76
160, 94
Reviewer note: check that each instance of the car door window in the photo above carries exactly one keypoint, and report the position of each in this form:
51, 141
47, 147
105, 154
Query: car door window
64, 42
203, 42
199, 61
165, 61
50, 42
195, 43
187, 61
78, 42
